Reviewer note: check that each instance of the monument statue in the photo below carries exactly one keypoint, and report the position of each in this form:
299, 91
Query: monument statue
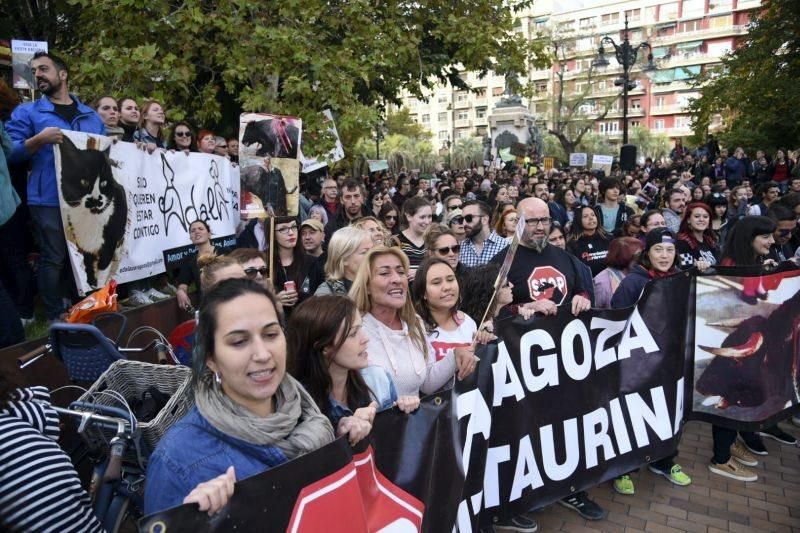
487, 148
535, 138
510, 98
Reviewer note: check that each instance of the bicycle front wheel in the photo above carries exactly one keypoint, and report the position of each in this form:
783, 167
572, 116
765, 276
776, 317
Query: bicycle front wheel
117, 513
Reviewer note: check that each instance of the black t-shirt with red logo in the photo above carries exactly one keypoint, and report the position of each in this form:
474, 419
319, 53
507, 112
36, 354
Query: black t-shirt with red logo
551, 274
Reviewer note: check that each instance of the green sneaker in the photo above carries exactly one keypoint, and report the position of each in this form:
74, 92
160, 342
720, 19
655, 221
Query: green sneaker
624, 485
675, 475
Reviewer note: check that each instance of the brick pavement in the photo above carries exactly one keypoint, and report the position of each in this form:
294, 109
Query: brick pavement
711, 504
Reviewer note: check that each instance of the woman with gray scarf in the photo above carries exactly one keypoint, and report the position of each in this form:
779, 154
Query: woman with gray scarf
249, 415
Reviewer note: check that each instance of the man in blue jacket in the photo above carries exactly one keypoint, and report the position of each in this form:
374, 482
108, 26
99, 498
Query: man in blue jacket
34, 127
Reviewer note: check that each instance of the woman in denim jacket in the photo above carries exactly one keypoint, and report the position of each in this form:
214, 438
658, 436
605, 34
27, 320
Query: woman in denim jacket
249, 414
329, 349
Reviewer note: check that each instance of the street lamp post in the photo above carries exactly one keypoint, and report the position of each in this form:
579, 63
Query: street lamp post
626, 56
378, 138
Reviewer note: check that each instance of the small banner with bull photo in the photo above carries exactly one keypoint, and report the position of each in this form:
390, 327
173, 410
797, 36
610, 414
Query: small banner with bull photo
123, 207
269, 156
747, 347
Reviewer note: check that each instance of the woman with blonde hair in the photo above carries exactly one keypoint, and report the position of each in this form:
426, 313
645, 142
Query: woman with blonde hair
215, 268
380, 235
346, 251
151, 126
397, 337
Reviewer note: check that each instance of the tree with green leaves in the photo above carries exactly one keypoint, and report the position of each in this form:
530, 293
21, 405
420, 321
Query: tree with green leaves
573, 113
755, 93
209, 60
467, 150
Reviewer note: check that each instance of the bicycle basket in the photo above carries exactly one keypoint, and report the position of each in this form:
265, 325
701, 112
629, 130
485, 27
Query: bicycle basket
131, 379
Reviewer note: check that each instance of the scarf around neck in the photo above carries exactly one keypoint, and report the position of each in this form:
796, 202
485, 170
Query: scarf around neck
296, 427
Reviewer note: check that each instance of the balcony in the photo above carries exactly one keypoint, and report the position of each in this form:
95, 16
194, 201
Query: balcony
682, 60
481, 121
463, 123
669, 87
540, 74
706, 33
461, 103
632, 113
667, 109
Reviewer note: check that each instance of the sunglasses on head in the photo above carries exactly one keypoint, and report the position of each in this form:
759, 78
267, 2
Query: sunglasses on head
454, 207
447, 249
252, 271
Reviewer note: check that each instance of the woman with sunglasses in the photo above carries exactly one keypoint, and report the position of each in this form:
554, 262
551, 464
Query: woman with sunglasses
296, 275
454, 221
182, 138
346, 251
254, 264
440, 242
389, 216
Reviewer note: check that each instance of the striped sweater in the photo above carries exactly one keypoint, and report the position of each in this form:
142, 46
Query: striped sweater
39, 488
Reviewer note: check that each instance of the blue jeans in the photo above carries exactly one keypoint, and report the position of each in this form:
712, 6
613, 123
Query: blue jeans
52, 259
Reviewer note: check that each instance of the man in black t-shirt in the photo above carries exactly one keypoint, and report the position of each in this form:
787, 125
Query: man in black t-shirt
545, 277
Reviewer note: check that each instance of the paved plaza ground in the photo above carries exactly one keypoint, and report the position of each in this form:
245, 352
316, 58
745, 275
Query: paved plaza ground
711, 504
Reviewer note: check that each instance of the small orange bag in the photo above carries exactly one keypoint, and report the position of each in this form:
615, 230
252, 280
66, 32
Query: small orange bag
103, 300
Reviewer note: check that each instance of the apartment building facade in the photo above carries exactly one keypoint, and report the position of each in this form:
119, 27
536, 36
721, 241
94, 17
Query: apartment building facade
686, 37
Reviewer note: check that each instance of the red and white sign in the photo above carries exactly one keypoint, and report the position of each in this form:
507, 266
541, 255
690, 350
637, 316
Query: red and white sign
357, 498
547, 283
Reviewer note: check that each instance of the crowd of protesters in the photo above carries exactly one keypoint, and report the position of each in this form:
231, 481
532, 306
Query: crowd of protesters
362, 306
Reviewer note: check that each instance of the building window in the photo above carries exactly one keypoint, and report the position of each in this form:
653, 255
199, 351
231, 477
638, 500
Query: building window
610, 18
693, 7
498, 91
462, 134
720, 5
668, 11
690, 25
461, 97
633, 14
426, 119
442, 117
658, 124
480, 112
636, 105
462, 115
588, 22
725, 21
659, 102
601, 85
650, 13
443, 135
635, 123
683, 123
412, 103
541, 86
480, 93
442, 99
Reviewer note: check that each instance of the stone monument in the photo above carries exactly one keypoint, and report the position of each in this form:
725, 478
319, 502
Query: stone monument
510, 120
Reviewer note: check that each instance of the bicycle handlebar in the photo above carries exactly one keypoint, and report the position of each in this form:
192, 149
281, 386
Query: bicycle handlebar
114, 467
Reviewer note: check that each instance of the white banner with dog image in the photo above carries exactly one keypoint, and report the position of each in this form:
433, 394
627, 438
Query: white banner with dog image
122, 207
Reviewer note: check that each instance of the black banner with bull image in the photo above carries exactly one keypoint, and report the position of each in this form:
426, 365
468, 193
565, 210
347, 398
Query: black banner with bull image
559, 404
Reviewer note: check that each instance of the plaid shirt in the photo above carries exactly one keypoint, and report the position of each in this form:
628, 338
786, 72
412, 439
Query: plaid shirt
493, 244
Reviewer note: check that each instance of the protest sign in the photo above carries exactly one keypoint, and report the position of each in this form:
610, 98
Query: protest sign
122, 207
376, 165
577, 159
311, 164
602, 162
559, 404
549, 163
269, 148
21, 55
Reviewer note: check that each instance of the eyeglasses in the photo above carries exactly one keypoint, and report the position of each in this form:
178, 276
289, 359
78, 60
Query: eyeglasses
447, 249
252, 271
469, 218
183, 134
287, 230
533, 222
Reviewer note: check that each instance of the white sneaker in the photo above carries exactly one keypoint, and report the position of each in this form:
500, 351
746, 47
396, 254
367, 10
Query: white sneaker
138, 298
156, 295
27, 321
